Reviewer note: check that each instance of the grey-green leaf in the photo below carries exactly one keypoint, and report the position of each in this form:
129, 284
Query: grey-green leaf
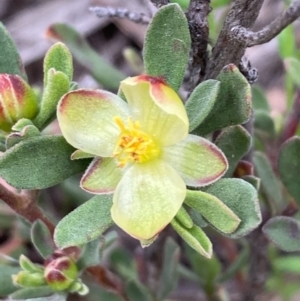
264, 125
85, 223
284, 232
136, 291
41, 239
289, 166
92, 253
39, 162
10, 60
167, 45
241, 197
213, 210
169, 275
233, 104
269, 183
259, 100
108, 76
235, 142
201, 102
31, 292
6, 285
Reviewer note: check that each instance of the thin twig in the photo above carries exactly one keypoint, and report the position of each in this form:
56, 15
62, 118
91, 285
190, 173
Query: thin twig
121, 13
228, 49
25, 206
270, 31
160, 3
197, 18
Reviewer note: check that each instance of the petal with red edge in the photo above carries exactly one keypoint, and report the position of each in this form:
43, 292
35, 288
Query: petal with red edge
86, 120
102, 176
147, 199
198, 161
158, 108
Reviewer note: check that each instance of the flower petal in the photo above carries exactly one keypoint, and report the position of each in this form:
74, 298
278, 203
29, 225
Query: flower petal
158, 108
102, 176
147, 199
198, 161
86, 120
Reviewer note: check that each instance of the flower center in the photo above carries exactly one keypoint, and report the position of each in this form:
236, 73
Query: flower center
134, 145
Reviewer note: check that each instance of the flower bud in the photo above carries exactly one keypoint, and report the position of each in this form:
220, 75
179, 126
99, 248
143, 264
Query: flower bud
27, 279
60, 273
17, 100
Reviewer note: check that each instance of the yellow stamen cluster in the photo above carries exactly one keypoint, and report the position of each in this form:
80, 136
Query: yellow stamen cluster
134, 145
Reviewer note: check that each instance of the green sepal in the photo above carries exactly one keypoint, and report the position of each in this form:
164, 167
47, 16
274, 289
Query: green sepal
289, 166
284, 232
28, 131
108, 76
233, 104
39, 162
57, 85
10, 60
59, 58
85, 223
194, 237
201, 102
42, 239
167, 45
183, 217
27, 265
29, 279
241, 197
169, 273
213, 210
235, 143
269, 182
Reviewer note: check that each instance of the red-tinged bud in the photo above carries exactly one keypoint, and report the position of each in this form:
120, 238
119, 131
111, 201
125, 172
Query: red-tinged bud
60, 273
17, 100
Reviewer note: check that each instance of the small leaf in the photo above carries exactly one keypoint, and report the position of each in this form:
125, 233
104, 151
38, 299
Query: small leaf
194, 237
6, 285
284, 232
241, 197
167, 45
57, 85
85, 223
169, 275
254, 181
289, 166
59, 58
136, 291
101, 70
259, 100
264, 125
292, 66
183, 217
39, 162
27, 132
55, 297
10, 61
41, 239
92, 253
233, 105
31, 292
207, 269
235, 143
213, 210
269, 183
201, 102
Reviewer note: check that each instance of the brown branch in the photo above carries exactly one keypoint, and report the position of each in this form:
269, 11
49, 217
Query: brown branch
228, 49
25, 206
199, 30
270, 31
160, 3
121, 13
